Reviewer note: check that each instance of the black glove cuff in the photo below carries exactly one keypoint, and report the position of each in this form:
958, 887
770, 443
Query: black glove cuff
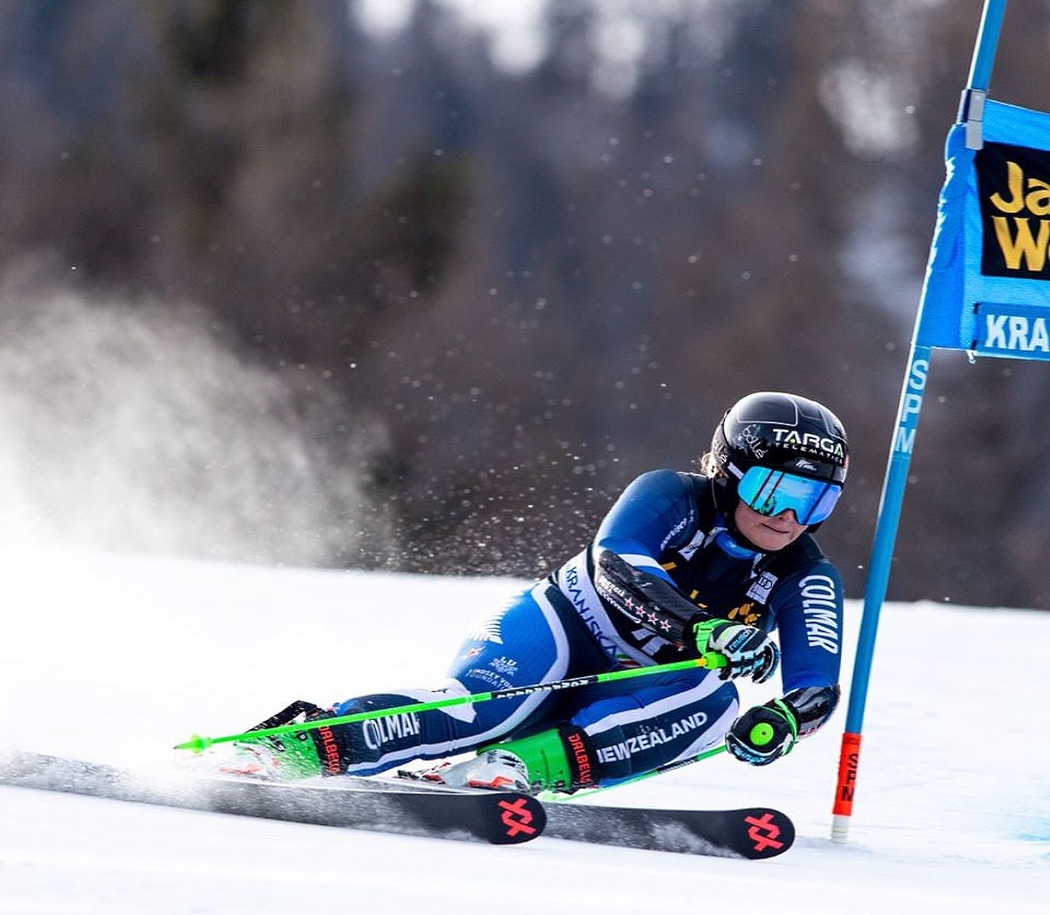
812, 706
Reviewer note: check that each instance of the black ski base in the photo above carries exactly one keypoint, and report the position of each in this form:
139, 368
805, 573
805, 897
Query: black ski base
410, 808
502, 818
751, 832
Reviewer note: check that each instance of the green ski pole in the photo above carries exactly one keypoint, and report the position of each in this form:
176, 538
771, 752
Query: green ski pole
711, 660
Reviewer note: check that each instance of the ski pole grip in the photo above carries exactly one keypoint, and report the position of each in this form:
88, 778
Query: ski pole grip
713, 660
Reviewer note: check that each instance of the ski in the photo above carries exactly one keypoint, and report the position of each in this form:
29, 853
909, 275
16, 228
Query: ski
754, 832
414, 808
502, 818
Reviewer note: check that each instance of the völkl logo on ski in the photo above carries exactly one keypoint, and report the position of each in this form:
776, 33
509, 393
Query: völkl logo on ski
764, 833
517, 817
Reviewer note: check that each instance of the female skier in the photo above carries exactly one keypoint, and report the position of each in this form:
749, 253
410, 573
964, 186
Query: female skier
684, 564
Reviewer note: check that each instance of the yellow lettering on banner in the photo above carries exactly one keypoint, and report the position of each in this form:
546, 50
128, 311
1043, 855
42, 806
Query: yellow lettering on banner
1036, 200
1023, 244
1015, 182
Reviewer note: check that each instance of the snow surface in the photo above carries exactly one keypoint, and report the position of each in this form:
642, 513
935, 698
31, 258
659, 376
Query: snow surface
117, 659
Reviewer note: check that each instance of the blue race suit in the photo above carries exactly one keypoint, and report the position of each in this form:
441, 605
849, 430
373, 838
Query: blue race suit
665, 523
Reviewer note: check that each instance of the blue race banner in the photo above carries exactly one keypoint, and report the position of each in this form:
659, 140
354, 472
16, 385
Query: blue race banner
987, 286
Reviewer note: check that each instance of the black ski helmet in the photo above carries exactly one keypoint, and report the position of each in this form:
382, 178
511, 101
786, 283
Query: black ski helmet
782, 432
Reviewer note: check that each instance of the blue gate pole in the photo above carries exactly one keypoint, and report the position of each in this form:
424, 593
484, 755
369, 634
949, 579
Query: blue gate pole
899, 461
878, 578
987, 42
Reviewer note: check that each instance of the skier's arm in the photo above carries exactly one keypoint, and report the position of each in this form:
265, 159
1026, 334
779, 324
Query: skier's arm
767, 732
658, 606
808, 611
655, 511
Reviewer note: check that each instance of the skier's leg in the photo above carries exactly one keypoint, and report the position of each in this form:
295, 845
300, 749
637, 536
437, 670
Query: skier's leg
673, 717
619, 731
522, 644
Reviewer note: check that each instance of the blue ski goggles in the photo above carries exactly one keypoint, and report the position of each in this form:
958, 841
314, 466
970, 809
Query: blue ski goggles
770, 492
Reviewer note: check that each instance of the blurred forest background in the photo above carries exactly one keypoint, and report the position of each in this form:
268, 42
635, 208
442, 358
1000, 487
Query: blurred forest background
282, 285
